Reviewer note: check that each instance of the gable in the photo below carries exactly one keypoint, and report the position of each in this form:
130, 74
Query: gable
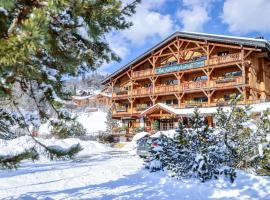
168, 45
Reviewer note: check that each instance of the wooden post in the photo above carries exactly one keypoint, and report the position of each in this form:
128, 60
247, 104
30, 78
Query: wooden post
244, 74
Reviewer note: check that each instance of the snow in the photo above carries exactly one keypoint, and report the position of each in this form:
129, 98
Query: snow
131, 146
3, 10
119, 175
169, 133
93, 122
259, 107
82, 97
18, 145
155, 165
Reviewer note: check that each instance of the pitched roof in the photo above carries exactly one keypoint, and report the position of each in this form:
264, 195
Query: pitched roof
255, 108
243, 41
161, 106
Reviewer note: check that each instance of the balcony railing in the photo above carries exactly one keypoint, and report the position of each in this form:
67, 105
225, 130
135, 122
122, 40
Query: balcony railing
192, 104
121, 109
229, 81
188, 65
180, 67
120, 93
166, 88
225, 59
142, 73
194, 85
141, 107
142, 91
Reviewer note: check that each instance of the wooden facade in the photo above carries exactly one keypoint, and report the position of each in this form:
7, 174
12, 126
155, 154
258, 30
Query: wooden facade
188, 70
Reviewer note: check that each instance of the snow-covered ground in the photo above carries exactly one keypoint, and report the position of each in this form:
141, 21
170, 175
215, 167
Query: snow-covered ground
18, 145
118, 175
93, 121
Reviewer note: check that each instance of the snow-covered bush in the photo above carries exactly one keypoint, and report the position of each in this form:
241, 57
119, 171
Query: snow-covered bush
194, 152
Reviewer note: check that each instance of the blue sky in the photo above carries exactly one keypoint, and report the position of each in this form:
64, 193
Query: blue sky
157, 19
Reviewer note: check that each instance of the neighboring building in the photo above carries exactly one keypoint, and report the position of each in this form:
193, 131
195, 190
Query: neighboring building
103, 99
89, 99
83, 98
189, 70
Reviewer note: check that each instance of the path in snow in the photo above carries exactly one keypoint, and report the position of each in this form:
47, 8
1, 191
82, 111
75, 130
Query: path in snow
118, 175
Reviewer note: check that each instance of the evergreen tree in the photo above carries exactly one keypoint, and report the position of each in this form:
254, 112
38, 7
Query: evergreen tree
261, 148
41, 43
110, 122
156, 125
193, 152
234, 132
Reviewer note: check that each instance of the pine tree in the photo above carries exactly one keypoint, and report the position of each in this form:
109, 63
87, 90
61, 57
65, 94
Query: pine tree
10, 162
41, 43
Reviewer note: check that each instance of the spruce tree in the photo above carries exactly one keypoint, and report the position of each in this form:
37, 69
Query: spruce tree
234, 132
261, 145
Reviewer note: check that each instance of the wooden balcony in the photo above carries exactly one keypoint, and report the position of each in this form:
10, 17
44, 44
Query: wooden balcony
166, 88
120, 109
142, 91
188, 65
121, 93
141, 107
142, 73
194, 85
225, 59
192, 104
224, 82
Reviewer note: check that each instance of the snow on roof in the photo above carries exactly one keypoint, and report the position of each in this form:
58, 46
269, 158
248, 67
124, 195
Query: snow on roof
105, 94
160, 105
82, 97
260, 107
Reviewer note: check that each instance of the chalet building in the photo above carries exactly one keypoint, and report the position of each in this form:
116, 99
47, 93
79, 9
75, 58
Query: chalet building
189, 70
87, 99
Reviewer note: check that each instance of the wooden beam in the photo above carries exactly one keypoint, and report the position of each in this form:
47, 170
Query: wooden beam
234, 47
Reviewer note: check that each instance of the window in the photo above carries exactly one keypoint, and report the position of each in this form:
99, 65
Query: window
223, 53
168, 102
171, 101
147, 85
233, 74
200, 99
200, 78
172, 82
226, 97
166, 125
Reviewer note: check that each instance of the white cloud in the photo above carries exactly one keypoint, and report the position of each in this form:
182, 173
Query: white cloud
194, 15
148, 23
245, 16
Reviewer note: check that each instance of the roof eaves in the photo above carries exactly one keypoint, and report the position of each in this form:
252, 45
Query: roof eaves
258, 43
